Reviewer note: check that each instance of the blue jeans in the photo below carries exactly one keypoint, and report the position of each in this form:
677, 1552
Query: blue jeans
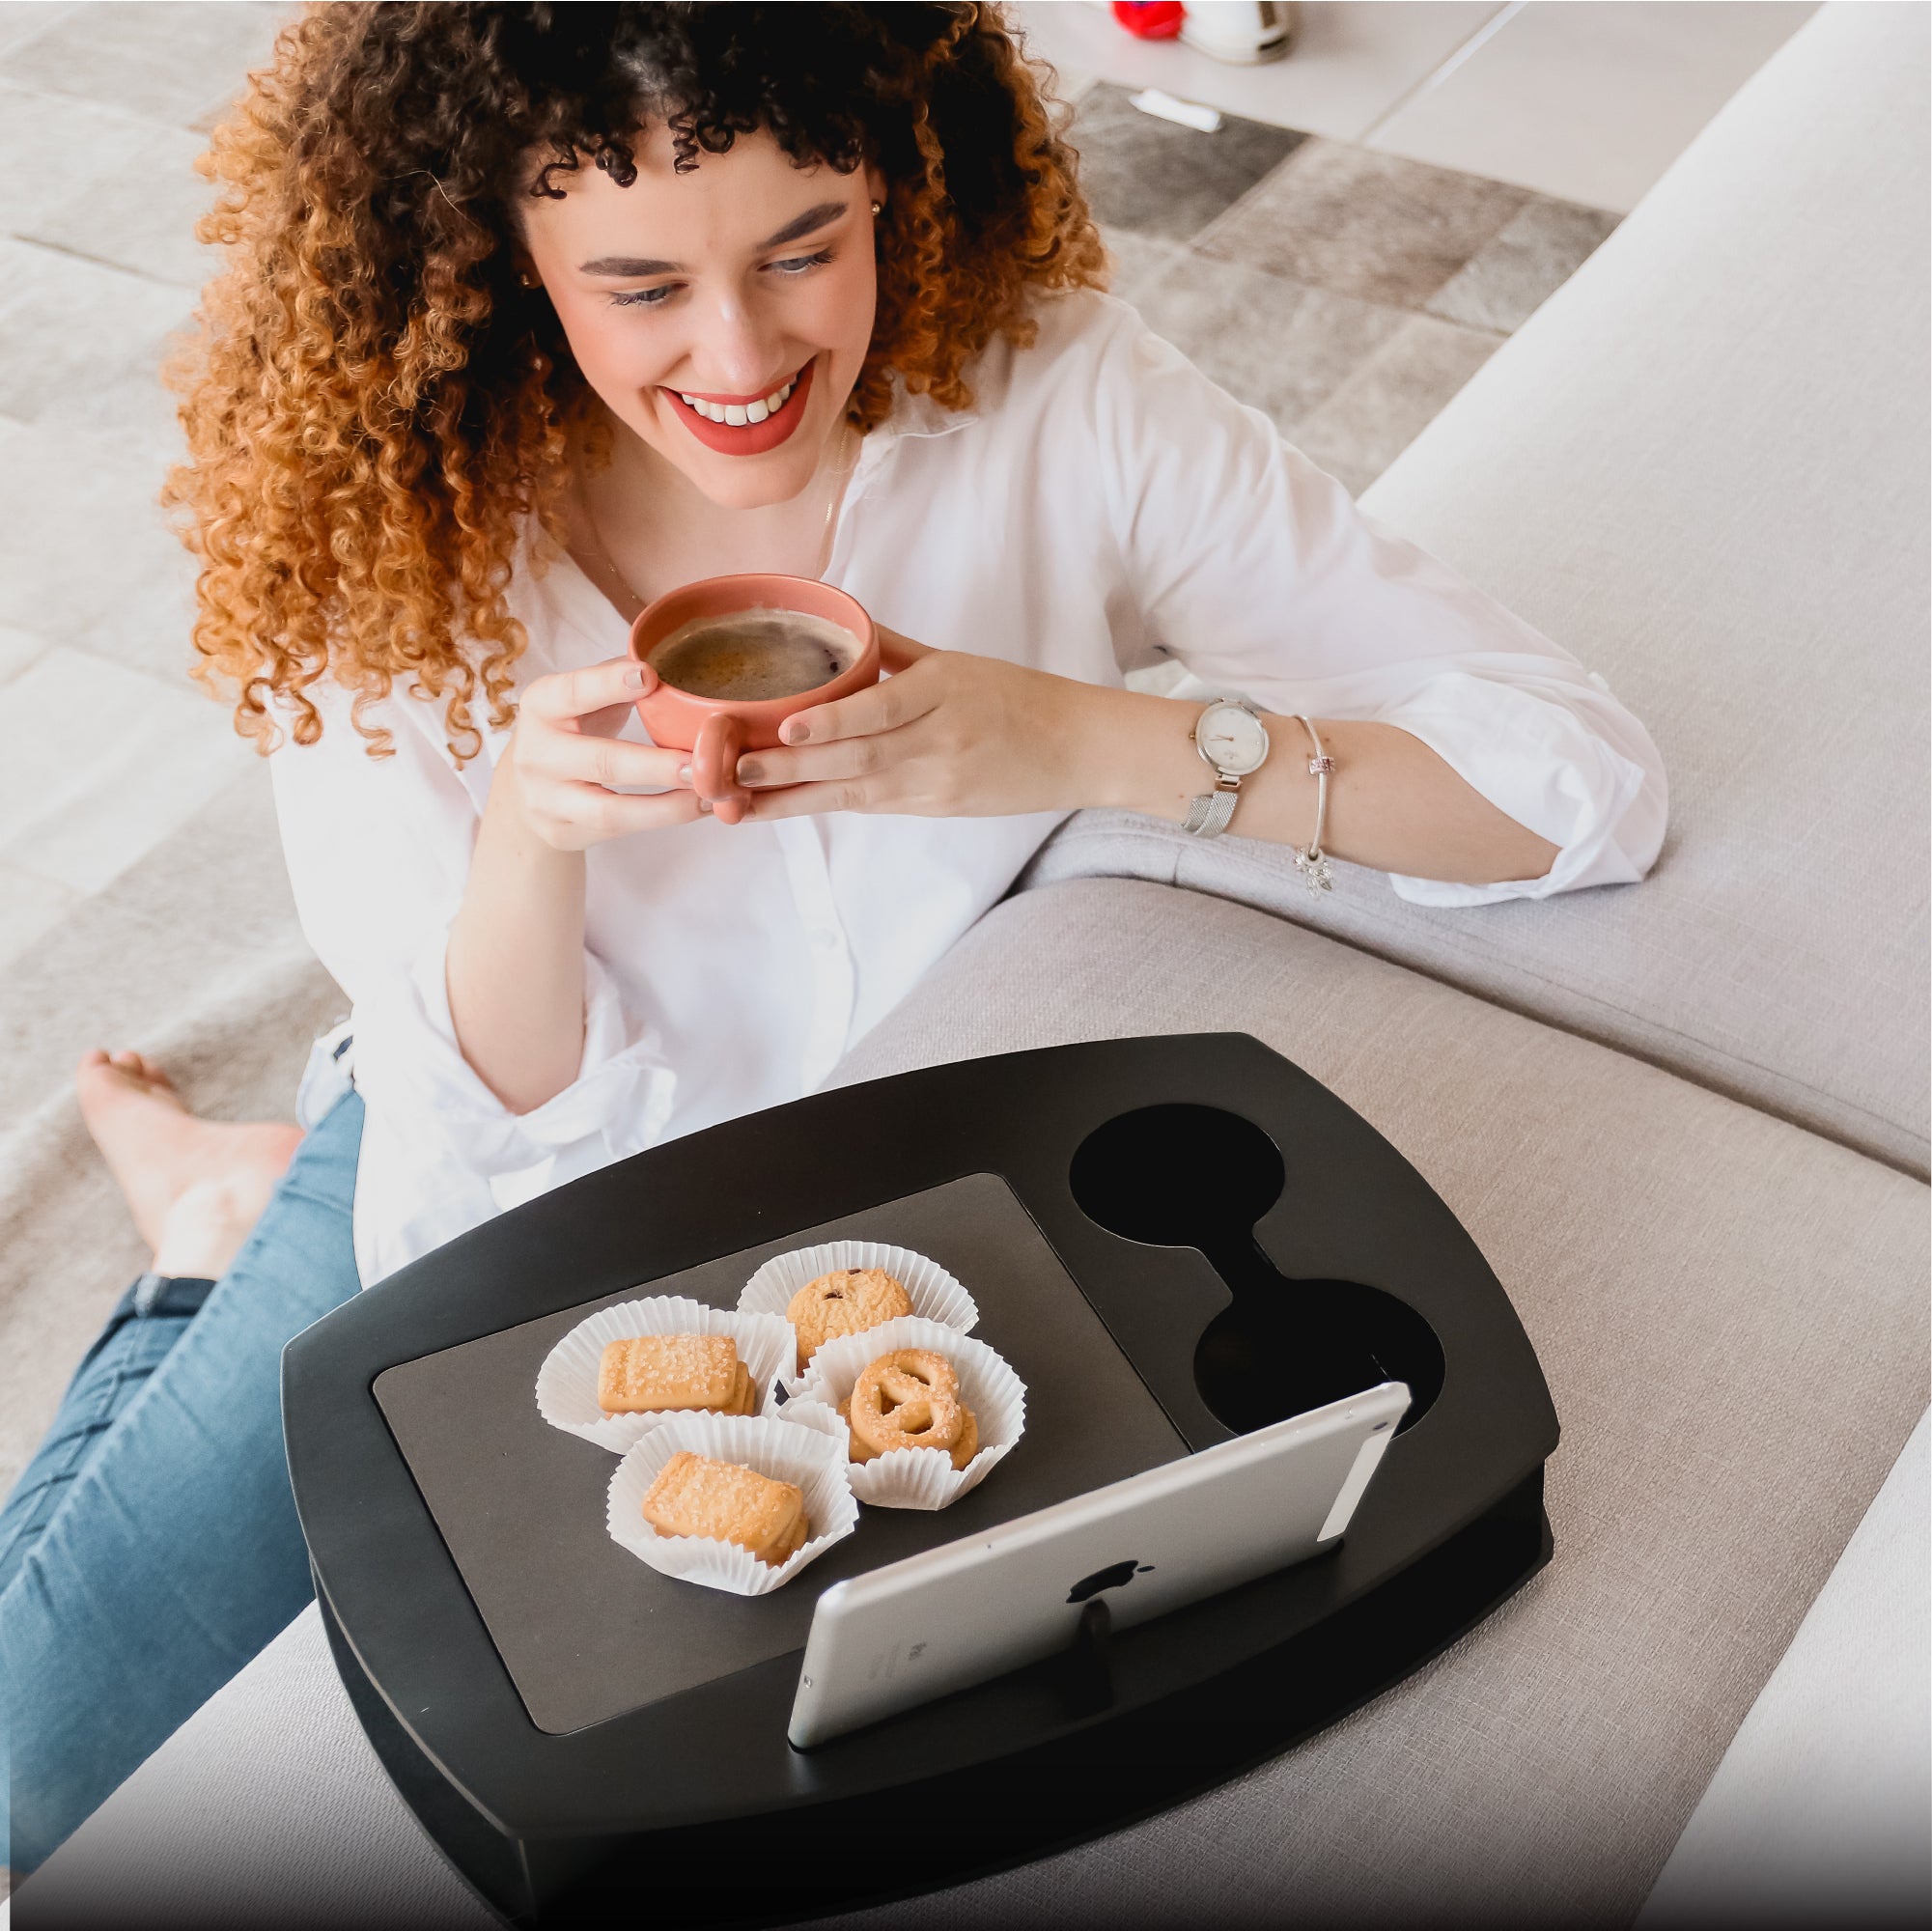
151, 1548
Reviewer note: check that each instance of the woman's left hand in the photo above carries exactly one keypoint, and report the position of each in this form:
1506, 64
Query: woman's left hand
949, 735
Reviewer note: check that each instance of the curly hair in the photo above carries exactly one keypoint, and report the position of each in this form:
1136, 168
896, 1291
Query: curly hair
375, 409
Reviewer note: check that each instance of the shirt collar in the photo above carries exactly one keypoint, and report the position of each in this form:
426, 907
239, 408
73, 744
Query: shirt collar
911, 416
921, 415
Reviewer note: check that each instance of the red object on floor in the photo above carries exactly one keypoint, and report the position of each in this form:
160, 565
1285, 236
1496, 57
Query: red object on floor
1150, 19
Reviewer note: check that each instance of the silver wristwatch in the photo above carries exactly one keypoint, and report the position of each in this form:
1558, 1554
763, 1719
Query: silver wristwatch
1230, 737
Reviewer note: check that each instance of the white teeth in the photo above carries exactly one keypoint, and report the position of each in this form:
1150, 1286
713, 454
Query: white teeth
740, 414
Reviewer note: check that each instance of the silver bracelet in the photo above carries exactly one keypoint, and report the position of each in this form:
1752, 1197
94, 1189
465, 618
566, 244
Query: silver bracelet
1310, 860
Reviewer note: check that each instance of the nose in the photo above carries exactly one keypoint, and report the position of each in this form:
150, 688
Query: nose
735, 349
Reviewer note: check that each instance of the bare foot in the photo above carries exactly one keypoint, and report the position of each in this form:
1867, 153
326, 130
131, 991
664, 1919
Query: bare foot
195, 1186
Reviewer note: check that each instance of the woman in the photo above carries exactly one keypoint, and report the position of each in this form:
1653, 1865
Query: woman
534, 313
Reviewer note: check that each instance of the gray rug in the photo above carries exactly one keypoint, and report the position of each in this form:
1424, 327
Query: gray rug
195, 958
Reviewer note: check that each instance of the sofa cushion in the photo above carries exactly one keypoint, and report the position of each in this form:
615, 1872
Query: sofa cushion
268, 1807
1731, 1315
1702, 467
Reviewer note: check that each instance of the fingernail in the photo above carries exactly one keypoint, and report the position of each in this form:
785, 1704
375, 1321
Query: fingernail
792, 732
703, 804
634, 675
749, 770
683, 774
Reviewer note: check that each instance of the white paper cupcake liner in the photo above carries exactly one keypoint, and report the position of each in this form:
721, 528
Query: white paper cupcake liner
798, 1412
567, 1382
915, 1478
811, 1458
935, 1295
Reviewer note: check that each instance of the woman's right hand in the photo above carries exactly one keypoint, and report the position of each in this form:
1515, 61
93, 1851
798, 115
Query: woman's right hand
569, 763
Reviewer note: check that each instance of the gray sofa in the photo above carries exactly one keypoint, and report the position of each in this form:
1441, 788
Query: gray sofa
1685, 1121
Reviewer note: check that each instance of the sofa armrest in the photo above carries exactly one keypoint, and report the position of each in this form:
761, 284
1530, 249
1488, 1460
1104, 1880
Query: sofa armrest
1821, 1810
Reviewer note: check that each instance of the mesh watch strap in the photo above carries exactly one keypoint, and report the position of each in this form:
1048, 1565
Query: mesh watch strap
1208, 815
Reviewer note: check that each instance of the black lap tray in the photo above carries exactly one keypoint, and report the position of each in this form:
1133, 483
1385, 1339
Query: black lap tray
1172, 1241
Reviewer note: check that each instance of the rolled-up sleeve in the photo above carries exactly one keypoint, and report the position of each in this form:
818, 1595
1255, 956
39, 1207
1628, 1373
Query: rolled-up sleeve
409, 1068
1257, 571
378, 852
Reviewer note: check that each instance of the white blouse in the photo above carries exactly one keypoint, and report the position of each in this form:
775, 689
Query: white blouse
1102, 509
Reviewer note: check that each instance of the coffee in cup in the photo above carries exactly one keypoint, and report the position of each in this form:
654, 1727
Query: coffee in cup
751, 657
736, 655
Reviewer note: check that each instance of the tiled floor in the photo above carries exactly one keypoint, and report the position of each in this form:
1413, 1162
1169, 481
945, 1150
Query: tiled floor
1590, 100
1348, 292
105, 747
1390, 203
1585, 101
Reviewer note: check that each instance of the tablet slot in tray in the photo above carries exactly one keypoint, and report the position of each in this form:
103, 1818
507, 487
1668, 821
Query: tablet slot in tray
1192, 1176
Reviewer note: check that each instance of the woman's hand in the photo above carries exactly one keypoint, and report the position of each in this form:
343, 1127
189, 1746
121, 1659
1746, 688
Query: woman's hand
569, 763
949, 735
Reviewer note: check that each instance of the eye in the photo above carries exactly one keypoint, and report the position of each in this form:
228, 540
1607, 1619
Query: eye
799, 264
645, 297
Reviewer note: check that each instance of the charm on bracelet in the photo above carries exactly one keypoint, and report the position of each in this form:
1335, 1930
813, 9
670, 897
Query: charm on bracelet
1310, 860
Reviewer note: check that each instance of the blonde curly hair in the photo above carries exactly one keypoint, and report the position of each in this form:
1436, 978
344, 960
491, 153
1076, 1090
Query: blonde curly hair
375, 409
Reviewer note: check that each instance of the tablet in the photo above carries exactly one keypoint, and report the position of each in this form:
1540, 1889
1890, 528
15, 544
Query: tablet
953, 1616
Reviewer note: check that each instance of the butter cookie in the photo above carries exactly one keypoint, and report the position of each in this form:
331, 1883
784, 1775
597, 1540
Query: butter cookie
650, 1373
848, 1300
722, 1501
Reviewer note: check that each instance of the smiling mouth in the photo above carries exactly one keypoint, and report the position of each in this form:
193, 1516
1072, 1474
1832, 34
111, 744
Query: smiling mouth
739, 415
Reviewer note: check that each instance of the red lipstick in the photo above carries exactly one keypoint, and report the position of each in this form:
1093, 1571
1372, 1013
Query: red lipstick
750, 438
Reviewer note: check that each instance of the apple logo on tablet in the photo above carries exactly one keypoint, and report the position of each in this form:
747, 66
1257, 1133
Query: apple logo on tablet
1115, 1577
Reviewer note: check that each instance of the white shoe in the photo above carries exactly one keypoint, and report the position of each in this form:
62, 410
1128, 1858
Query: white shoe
1244, 33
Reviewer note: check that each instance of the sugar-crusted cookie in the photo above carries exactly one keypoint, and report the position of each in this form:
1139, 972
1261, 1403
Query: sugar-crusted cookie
910, 1399
722, 1501
743, 1394
789, 1545
848, 1300
671, 1372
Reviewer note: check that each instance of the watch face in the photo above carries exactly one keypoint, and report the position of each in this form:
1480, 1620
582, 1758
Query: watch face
1231, 739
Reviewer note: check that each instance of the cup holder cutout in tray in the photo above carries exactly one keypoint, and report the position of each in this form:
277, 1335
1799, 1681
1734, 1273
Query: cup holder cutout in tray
1185, 1176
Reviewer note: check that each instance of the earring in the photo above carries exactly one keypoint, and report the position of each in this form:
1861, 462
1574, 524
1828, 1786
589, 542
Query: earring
530, 281
878, 208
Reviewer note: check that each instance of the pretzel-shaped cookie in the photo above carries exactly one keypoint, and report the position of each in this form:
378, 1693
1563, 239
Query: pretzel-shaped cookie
910, 1399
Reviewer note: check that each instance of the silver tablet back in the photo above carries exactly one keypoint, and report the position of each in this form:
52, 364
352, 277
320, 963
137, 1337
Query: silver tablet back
956, 1615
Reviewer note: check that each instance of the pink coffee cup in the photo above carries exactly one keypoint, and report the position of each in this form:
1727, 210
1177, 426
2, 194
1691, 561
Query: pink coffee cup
716, 730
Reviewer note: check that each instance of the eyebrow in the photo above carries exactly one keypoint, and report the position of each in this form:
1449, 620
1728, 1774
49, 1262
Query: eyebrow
808, 223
